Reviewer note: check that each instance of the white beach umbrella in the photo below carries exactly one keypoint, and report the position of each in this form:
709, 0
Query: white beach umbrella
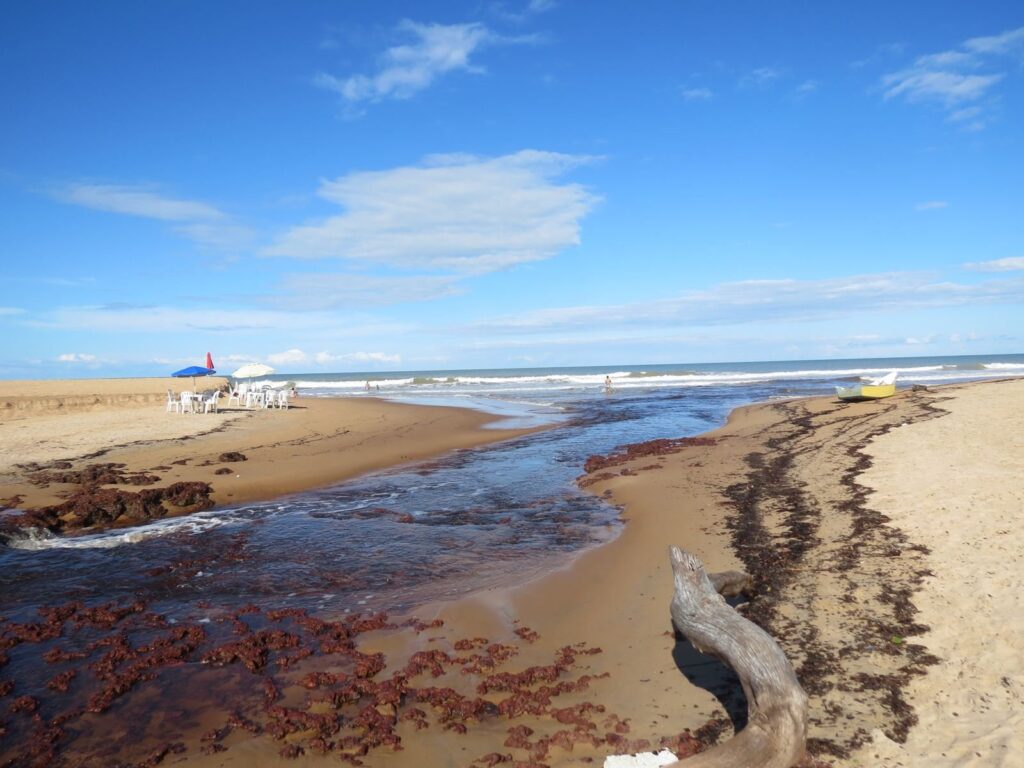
252, 370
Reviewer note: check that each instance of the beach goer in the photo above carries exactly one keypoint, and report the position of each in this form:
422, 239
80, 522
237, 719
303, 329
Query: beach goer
607, 383
367, 386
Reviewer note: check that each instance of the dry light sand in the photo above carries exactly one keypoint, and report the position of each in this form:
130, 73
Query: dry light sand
956, 485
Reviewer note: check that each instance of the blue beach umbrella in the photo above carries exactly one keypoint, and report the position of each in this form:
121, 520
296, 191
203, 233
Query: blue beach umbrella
193, 371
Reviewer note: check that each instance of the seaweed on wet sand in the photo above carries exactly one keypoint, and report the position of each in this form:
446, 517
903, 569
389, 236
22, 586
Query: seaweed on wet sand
106, 654
659, 447
92, 474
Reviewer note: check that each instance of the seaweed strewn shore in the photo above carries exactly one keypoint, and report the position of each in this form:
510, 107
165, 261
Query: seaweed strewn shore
575, 663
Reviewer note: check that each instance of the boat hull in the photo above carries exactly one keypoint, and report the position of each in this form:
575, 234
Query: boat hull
865, 392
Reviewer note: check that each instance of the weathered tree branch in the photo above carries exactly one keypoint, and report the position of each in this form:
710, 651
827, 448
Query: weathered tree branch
731, 583
777, 705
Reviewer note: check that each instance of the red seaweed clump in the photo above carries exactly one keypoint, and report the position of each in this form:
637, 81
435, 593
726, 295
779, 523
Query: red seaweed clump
659, 447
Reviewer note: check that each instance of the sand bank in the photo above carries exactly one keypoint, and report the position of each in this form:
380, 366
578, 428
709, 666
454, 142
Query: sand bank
19, 399
314, 443
955, 486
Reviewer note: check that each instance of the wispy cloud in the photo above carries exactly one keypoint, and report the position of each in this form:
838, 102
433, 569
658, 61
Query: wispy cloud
310, 291
295, 356
806, 88
1009, 264
517, 13
167, 324
198, 221
76, 357
767, 301
931, 205
454, 212
696, 94
327, 358
288, 357
1011, 41
405, 70
957, 80
760, 77
136, 201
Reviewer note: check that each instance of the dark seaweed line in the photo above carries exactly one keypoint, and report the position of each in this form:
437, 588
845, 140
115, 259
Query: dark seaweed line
773, 564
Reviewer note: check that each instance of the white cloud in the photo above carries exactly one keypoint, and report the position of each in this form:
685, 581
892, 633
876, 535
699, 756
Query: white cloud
11, 311
288, 357
175, 321
76, 357
950, 88
806, 88
1008, 42
532, 8
931, 205
767, 301
956, 79
453, 212
405, 70
1009, 264
333, 291
761, 77
697, 94
193, 219
326, 358
297, 356
965, 114
136, 201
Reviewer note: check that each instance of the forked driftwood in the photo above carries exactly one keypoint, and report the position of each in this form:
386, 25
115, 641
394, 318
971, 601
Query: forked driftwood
776, 704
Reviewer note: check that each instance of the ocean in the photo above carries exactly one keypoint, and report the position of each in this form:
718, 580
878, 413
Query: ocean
394, 539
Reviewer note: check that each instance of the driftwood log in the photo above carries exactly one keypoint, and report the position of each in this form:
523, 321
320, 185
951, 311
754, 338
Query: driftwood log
776, 704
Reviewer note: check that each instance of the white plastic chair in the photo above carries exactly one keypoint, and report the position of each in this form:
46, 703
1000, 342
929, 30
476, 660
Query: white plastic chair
173, 404
188, 402
235, 396
210, 401
282, 399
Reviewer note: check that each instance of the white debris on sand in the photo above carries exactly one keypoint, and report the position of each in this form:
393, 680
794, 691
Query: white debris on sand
641, 760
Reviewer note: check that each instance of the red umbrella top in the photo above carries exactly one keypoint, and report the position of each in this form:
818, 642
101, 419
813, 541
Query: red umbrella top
209, 361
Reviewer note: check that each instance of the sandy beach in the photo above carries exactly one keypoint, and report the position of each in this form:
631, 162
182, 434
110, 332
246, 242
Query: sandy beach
866, 528
826, 504
312, 444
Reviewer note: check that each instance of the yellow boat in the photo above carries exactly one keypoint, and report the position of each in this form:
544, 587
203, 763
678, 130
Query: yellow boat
870, 390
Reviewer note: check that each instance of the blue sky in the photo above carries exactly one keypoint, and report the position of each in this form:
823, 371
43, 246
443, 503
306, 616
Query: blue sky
373, 186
